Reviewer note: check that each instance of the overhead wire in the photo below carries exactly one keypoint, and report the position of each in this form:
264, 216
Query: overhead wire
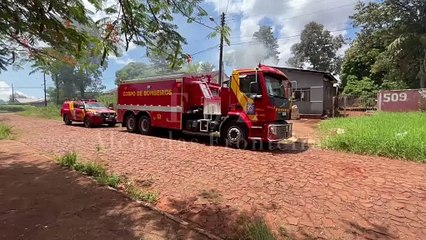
289, 37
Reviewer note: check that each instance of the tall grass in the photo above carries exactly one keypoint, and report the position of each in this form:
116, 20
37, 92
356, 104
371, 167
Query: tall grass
5, 132
52, 111
393, 135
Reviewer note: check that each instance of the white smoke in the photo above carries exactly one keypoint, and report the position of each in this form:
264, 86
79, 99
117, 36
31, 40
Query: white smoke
5, 91
248, 56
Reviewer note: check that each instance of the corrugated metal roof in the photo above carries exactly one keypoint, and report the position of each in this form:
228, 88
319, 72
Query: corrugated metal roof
325, 73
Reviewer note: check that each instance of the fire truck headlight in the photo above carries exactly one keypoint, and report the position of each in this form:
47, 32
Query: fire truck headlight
273, 130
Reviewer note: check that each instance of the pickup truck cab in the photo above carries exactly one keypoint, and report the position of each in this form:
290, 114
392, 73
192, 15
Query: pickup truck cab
90, 112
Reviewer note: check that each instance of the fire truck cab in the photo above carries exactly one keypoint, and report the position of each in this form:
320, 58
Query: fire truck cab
253, 105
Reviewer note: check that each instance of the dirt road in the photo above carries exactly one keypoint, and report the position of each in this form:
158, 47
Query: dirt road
312, 193
39, 200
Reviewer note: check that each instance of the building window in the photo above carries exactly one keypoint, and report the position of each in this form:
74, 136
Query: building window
303, 95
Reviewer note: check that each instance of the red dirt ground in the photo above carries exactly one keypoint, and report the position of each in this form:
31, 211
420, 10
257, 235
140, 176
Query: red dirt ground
311, 192
39, 200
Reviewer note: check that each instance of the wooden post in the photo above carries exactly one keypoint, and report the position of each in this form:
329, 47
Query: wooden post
344, 105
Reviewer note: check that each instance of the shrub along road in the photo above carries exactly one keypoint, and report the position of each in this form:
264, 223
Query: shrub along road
312, 193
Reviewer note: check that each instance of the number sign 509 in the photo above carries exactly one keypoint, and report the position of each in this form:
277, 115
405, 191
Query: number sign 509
394, 97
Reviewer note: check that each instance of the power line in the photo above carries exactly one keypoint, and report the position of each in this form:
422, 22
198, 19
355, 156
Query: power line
205, 50
285, 38
328, 26
227, 6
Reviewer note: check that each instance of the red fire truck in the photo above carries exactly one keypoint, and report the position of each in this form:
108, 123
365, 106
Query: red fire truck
253, 105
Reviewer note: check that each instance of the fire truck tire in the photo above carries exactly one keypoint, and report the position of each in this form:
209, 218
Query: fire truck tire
87, 122
236, 136
145, 125
67, 120
131, 124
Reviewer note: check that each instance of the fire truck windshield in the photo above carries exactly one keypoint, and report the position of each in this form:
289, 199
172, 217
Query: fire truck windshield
275, 86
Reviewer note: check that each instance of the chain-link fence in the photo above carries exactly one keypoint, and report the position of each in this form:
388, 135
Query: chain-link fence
358, 102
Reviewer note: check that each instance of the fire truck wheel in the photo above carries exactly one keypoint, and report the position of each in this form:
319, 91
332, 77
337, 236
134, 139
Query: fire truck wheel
131, 124
67, 121
236, 136
87, 122
145, 125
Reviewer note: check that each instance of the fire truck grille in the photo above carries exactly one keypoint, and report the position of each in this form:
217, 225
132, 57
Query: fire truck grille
284, 131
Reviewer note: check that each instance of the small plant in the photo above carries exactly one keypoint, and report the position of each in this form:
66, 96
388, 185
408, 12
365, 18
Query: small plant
252, 229
94, 169
79, 167
136, 194
110, 180
68, 160
5, 132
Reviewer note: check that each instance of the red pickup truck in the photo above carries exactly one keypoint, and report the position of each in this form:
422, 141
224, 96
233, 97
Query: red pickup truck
90, 112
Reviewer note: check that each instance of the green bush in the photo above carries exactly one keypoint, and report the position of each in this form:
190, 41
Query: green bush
93, 169
393, 135
5, 132
68, 160
12, 108
110, 180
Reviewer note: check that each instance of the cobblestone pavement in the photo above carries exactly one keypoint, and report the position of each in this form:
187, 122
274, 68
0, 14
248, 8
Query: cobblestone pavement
312, 193
40, 200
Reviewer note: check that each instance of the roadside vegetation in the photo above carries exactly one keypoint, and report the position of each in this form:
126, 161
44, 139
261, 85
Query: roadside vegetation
393, 135
52, 111
257, 229
102, 177
5, 132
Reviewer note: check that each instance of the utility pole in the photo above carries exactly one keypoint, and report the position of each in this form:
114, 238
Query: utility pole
13, 94
45, 90
222, 25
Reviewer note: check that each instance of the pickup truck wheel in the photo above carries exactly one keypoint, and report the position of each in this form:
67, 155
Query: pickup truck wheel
87, 122
67, 121
236, 136
131, 124
145, 125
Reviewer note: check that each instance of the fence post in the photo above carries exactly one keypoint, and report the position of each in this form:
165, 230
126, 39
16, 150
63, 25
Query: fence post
333, 109
344, 105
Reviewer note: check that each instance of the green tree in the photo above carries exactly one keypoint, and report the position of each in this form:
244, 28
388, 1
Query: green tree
266, 37
317, 48
66, 26
395, 30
